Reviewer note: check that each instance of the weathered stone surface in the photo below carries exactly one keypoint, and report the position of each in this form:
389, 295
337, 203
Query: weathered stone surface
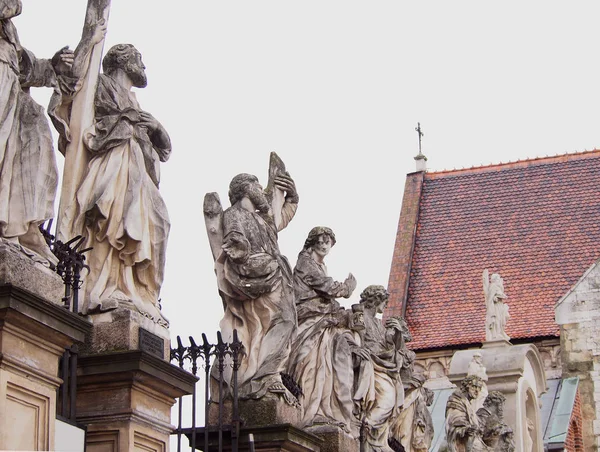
517, 372
334, 439
119, 330
118, 207
269, 410
33, 336
578, 314
28, 173
496, 310
272, 438
254, 279
463, 430
22, 271
378, 385
125, 400
321, 356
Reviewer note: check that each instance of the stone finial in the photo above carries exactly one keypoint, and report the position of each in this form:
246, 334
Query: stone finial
421, 161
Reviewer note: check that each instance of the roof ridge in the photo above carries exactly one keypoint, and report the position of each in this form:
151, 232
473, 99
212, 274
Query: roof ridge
558, 158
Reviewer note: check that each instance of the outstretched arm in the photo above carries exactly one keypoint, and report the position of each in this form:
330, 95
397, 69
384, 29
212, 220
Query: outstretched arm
92, 36
285, 183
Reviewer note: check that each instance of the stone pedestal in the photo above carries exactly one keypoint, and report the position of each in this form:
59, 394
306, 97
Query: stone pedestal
119, 330
125, 400
517, 371
270, 410
34, 334
334, 439
271, 438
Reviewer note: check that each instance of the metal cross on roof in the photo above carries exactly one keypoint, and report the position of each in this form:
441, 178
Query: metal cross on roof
421, 134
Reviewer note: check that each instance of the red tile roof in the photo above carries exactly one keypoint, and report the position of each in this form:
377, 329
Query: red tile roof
536, 222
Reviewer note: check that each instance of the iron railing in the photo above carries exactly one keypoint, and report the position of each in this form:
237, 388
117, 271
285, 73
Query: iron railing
221, 354
71, 262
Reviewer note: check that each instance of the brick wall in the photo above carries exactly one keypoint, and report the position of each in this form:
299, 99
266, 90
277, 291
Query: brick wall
403, 249
574, 441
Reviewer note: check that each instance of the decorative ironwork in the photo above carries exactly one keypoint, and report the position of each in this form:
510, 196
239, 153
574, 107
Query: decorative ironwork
71, 262
291, 385
225, 355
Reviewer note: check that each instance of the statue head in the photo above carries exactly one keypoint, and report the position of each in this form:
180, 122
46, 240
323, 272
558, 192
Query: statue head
495, 402
127, 58
477, 357
374, 296
320, 240
246, 185
429, 395
471, 386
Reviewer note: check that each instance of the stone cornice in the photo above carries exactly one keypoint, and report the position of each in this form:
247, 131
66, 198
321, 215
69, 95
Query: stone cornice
138, 366
16, 300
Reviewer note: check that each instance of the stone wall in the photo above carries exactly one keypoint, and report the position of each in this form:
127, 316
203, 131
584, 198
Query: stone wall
578, 314
435, 365
580, 357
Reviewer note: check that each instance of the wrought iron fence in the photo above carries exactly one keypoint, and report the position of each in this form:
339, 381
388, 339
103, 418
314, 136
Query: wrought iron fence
67, 391
71, 262
214, 358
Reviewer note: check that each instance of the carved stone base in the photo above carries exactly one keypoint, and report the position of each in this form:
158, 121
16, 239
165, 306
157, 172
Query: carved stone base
125, 400
334, 439
22, 271
496, 343
257, 413
272, 438
33, 336
119, 330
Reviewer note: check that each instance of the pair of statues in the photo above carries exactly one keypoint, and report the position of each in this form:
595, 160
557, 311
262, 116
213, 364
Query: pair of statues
471, 430
348, 364
117, 206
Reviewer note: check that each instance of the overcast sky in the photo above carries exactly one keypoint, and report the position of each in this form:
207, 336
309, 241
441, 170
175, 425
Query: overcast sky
336, 89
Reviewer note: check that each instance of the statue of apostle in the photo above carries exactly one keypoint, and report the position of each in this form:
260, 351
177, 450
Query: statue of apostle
28, 173
254, 278
118, 207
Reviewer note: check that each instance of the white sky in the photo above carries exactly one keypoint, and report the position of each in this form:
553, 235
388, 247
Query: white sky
336, 89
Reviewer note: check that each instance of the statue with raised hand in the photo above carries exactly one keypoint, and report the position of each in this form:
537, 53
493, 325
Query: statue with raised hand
321, 356
254, 278
118, 207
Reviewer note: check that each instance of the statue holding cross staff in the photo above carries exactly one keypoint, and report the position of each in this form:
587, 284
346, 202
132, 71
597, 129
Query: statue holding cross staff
115, 203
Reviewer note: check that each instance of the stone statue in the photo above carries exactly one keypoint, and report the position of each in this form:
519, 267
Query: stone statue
254, 278
477, 368
28, 173
378, 387
496, 311
413, 427
118, 207
321, 358
496, 434
463, 429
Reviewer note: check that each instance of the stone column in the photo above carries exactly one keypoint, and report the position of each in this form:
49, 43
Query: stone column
125, 400
35, 330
